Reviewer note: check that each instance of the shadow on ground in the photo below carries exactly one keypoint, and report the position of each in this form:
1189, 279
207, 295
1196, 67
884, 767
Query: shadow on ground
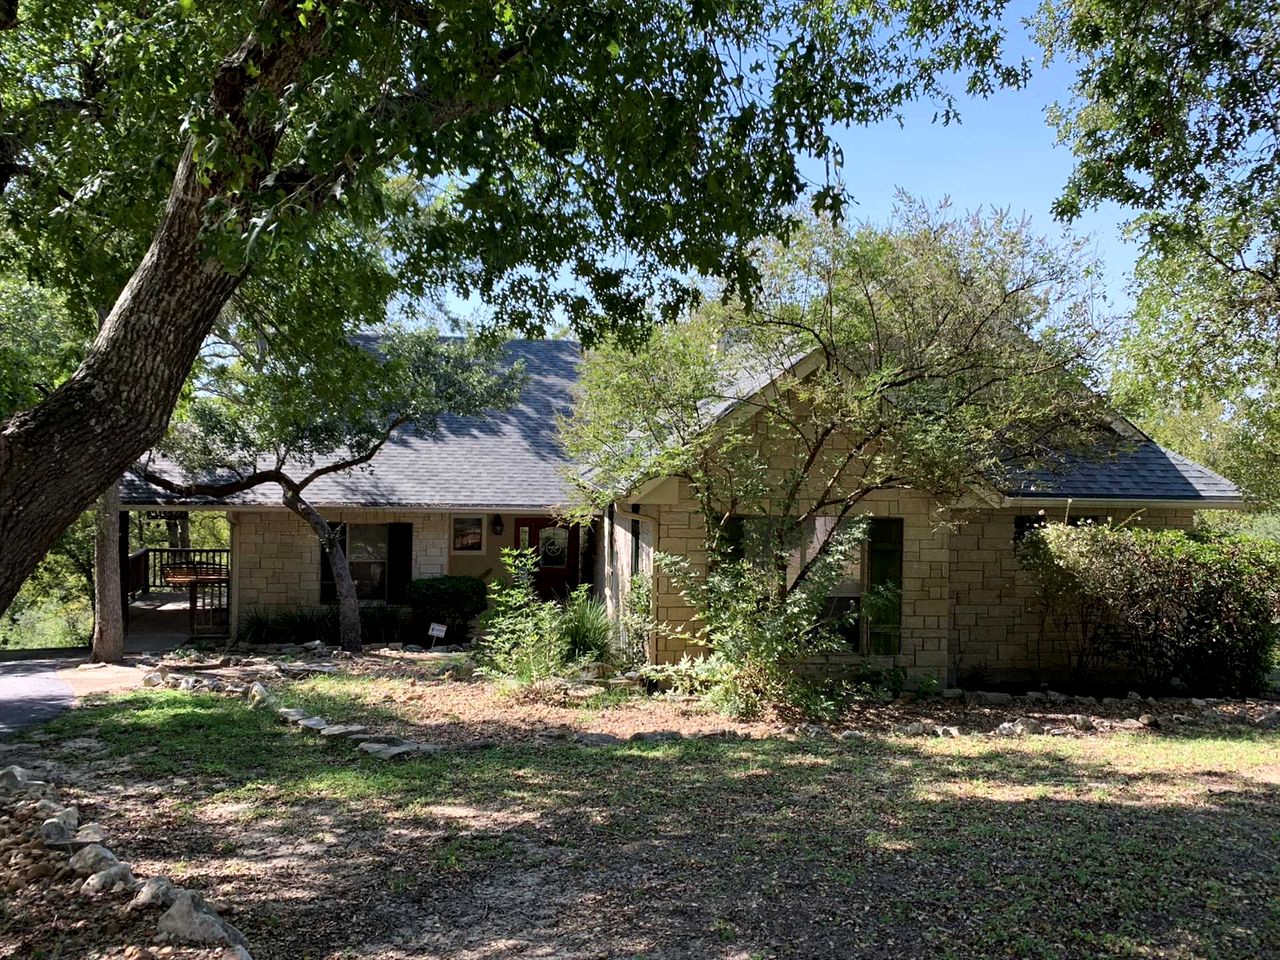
706, 848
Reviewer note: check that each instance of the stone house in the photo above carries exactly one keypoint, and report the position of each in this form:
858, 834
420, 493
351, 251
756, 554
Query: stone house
966, 608
448, 502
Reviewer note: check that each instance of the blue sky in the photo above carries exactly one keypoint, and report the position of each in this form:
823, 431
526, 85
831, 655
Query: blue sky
1002, 154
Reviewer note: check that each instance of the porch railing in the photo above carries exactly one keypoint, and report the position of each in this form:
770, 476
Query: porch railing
203, 574
169, 568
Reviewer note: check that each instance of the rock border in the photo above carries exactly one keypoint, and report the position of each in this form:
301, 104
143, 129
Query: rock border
185, 916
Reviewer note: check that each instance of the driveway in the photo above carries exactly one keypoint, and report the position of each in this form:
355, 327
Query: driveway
33, 691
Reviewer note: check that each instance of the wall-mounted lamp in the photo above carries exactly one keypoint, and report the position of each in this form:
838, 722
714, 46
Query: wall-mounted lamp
496, 525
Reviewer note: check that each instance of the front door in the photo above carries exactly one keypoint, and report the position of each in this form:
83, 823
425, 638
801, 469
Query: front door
556, 547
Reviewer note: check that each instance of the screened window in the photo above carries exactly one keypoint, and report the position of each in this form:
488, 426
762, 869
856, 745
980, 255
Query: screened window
367, 556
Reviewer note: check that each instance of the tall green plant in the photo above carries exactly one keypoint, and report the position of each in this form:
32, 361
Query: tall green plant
524, 637
757, 636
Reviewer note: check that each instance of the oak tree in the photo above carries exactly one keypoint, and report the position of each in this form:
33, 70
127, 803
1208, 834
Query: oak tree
577, 161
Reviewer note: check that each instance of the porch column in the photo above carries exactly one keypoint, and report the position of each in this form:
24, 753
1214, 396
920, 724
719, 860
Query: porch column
124, 568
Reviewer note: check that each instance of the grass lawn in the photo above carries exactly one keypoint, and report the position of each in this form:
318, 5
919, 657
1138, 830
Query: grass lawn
1132, 845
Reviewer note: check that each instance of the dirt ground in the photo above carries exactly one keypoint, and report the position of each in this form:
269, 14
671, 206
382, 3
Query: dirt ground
734, 841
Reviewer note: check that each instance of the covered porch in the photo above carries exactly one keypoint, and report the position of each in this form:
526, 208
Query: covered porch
171, 595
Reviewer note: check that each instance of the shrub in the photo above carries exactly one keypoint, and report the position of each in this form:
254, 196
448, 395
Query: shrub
452, 600
524, 636
379, 623
588, 631
1170, 607
636, 623
759, 636
528, 639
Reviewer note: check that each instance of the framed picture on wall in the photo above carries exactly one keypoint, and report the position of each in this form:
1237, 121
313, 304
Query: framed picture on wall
467, 535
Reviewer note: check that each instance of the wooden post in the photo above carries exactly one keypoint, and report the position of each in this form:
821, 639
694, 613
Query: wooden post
125, 569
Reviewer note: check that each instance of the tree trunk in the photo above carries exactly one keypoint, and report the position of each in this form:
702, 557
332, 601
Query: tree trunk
57, 457
178, 532
348, 601
108, 614
60, 455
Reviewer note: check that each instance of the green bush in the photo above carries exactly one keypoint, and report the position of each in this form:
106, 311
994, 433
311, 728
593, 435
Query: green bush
528, 639
379, 623
588, 631
452, 600
1174, 609
758, 638
524, 640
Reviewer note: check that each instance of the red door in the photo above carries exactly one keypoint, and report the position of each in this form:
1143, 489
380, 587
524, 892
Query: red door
557, 550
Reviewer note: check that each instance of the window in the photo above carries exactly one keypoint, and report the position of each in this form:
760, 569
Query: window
379, 556
553, 548
367, 558
882, 599
468, 535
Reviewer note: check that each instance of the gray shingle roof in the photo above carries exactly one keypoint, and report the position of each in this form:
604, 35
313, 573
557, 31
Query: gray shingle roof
513, 459
1140, 471
510, 458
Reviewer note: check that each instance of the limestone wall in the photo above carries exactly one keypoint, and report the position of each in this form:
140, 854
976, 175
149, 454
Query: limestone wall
925, 604
275, 556
998, 633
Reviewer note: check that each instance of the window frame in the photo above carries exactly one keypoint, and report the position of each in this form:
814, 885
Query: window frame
484, 535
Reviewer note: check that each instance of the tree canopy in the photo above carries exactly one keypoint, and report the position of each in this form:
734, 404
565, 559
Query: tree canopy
1174, 114
935, 354
290, 414
578, 162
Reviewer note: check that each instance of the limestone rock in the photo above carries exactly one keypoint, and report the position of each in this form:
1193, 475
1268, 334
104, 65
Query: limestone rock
387, 751
313, 723
1035, 696
91, 859
60, 827
89, 833
153, 679
1022, 727
292, 714
14, 778
1269, 720
950, 732
342, 730
155, 892
109, 879
952, 693
1149, 720
192, 920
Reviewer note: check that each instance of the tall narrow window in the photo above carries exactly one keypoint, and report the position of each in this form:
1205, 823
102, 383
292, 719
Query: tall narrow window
882, 602
367, 555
